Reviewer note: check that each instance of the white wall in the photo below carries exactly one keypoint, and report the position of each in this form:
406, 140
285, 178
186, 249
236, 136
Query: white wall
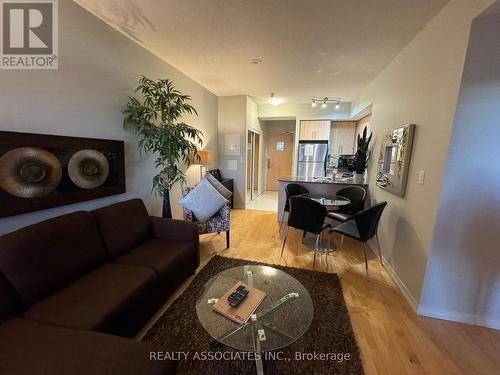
462, 281
304, 111
232, 120
97, 72
419, 86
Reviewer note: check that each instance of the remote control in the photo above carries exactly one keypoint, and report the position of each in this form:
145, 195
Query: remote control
237, 296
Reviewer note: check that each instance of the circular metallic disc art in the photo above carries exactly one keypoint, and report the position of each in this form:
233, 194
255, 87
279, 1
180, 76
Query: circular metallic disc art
29, 172
88, 169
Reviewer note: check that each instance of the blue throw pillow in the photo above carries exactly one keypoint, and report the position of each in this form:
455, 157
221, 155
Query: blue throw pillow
204, 201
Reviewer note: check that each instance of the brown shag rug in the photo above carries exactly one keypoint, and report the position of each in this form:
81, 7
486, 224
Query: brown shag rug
328, 346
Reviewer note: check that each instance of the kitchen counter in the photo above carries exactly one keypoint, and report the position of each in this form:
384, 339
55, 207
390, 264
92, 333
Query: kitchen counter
315, 187
308, 180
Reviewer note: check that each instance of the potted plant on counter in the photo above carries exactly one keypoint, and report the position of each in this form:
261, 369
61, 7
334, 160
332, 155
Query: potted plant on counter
361, 157
156, 119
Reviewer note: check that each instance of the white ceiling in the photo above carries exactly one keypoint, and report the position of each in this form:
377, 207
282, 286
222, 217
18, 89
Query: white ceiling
308, 47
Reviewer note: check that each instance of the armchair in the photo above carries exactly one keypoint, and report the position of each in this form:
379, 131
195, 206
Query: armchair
220, 222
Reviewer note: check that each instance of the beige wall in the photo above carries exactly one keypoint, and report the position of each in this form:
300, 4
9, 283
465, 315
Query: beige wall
462, 280
232, 120
419, 86
85, 96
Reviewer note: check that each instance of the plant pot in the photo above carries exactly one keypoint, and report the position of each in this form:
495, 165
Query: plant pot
359, 178
167, 211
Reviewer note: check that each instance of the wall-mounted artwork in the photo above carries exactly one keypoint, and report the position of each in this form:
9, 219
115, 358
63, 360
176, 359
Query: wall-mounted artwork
394, 160
232, 144
43, 171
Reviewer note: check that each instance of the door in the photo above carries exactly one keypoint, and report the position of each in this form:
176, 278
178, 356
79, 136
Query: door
253, 164
279, 151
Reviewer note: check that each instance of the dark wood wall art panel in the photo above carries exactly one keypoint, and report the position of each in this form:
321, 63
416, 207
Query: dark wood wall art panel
42, 171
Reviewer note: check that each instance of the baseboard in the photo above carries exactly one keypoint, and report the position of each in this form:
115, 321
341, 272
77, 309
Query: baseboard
431, 312
459, 317
399, 283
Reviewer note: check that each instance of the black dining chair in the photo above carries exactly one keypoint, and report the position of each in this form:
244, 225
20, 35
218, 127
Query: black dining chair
290, 191
357, 196
309, 216
363, 227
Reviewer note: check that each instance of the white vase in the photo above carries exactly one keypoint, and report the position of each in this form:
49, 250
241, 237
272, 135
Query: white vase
359, 178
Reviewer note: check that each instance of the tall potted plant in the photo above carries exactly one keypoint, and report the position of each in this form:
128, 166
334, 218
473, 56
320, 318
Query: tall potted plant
156, 119
361, 157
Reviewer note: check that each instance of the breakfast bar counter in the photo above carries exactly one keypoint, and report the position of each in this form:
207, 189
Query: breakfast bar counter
315, 186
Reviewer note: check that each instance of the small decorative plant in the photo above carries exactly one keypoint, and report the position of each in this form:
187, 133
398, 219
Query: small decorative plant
156, 120
362, 154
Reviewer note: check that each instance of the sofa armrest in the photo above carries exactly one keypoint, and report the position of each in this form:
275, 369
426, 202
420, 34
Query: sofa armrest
178, 230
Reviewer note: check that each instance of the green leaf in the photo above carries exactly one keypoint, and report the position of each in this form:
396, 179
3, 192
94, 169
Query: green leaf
156, 119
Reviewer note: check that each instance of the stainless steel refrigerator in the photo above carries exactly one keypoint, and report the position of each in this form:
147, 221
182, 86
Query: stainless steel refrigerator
312, 159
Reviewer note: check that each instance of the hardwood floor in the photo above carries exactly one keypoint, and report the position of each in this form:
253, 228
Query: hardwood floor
392, 338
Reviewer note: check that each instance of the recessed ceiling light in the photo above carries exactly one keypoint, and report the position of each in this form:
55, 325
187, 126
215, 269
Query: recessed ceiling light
256, 61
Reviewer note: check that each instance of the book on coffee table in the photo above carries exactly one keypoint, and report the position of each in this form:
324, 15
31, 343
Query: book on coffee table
245, 309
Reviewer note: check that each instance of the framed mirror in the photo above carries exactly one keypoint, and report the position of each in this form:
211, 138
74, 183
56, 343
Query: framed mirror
394, 159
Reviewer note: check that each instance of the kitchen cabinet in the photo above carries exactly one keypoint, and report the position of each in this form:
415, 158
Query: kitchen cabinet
342, 138
314, 130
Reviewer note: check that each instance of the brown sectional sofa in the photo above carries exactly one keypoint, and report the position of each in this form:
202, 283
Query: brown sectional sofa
75, 288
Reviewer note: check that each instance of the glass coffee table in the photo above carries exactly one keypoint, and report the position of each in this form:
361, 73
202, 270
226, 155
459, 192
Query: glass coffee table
283, 316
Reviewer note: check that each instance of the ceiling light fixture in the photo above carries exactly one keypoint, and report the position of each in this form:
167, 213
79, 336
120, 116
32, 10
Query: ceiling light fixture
274, 100
326, 100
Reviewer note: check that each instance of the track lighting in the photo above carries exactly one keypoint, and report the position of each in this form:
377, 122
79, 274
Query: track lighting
325, 102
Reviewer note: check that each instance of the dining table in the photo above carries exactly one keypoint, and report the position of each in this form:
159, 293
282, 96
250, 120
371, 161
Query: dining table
331, 202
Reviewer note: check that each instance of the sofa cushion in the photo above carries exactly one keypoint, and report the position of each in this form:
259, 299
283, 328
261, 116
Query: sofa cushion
224, 191
42, 258
203, 200
28, 348
173, 261
113, 298
123, 225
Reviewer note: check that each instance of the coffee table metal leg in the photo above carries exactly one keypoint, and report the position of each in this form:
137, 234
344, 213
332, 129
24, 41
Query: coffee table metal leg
256, 347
